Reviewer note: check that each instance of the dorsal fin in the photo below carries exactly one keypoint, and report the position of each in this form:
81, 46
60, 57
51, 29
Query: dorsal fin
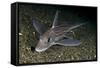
55, 19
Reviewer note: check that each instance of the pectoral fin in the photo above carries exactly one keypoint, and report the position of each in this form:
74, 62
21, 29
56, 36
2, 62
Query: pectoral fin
68, 42
40, 28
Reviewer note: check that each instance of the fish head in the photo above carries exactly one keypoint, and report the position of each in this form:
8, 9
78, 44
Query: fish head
44, 43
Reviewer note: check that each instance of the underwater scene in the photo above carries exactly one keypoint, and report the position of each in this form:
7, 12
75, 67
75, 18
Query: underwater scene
56, 33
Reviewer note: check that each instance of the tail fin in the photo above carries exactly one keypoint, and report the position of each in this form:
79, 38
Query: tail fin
76, 26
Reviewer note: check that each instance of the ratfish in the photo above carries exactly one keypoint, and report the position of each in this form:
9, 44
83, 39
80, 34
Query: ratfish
57, 34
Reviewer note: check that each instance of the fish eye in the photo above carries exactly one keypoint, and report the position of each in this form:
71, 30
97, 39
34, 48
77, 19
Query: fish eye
48, 39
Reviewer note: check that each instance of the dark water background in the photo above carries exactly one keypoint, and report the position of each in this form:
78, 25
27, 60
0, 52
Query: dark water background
69, 15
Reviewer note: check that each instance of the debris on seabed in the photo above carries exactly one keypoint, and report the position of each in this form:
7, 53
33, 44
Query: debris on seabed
59, 56
95, 56
72, 57
34, 33
20, 34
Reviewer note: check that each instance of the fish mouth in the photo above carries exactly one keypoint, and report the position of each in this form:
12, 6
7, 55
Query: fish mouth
40, 50
42, 47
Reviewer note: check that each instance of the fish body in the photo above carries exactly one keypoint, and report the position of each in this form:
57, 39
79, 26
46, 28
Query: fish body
57, 34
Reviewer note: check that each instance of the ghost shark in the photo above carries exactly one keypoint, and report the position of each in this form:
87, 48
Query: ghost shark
57, 34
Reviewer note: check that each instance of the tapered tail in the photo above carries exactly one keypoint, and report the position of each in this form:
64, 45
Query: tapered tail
76, 26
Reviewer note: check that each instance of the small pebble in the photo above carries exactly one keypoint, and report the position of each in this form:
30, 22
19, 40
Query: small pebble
24, 61
95, 56
59, 56
23, 56
46, 22
33, 33
72, 57
20, 34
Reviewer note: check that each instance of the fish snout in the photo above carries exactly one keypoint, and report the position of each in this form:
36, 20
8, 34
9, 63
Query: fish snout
41, 46
39, 50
